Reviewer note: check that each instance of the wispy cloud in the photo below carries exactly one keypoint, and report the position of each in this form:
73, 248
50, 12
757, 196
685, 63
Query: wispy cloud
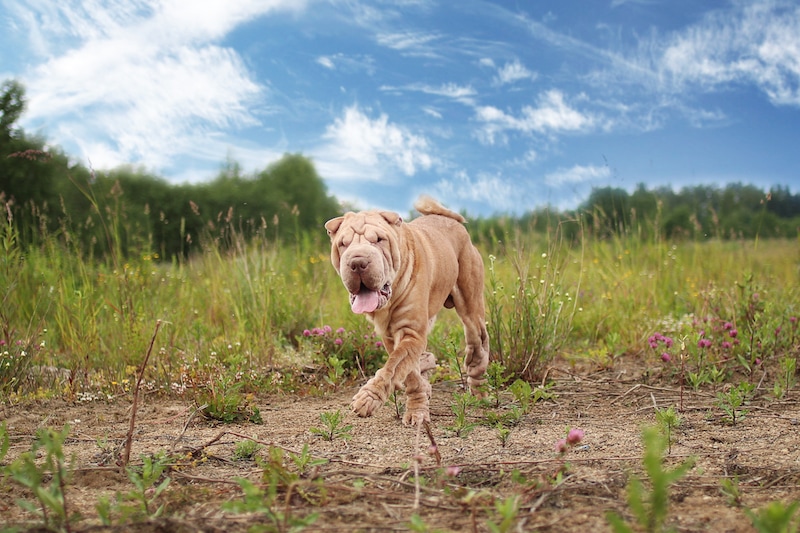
461, 93
327, 62
513, 72
409, 42
362, 148
577, 174
552, 114
759, 43
500, 193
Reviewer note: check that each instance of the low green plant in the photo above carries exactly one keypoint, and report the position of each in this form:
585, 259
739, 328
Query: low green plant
543, 393
668, 419
506, 515
333, 422
246, 450
698, 379
335, 372
731, 401
650, 507
510, 418
342, 352
776, 517
462, 403
224, 401
46, 481
729, 487
394, 401
264, 501
522, 392
496, 378
304, 460
149, 482
5, 442
503, 433
786, 376
418, 525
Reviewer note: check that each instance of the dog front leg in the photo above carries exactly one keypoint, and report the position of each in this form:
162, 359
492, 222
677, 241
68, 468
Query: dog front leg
403, 360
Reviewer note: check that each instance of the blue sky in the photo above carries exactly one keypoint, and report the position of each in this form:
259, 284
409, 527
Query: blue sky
490, 106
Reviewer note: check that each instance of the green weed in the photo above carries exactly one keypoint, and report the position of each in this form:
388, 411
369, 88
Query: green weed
496, 378
650, 507
729, 487
506, 513
46, 481
776, 517
334, 427
246, 450
668, 420
731, 401
461, 426
265, 501
304, 460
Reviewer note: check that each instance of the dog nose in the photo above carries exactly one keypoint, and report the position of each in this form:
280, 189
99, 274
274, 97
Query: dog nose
359, 264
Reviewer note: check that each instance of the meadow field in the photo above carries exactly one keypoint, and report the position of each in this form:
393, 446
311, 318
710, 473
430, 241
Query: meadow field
636, 384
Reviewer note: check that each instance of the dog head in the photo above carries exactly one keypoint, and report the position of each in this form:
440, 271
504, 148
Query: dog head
365, 251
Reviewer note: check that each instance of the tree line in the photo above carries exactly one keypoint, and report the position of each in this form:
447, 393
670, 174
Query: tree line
735, 211
128, 209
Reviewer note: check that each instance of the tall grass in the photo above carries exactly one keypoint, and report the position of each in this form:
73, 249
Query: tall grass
240, 307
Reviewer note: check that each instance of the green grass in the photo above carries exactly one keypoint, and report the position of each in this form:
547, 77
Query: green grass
247, 303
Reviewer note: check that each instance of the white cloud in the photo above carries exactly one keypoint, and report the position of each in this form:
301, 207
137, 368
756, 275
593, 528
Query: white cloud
488, 189
363, 148
512, 73
577, 174
756, 43
141, 82
432, 112
326, 62
409, 42
551, 115
461, 93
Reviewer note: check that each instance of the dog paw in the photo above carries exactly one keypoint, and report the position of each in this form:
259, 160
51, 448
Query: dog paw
366, 401
477, 387
414, 417
417, 410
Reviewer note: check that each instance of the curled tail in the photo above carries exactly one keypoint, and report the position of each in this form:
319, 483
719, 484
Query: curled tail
428, 206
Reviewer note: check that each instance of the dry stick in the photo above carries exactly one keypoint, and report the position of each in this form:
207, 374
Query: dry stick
626, 393
126, 454
186, 426
435, 448
417, 458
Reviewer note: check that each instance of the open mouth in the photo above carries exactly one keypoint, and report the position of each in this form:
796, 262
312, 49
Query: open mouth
370, 300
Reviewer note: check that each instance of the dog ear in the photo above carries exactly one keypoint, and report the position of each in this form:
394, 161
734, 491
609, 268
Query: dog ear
333, 225
392, 217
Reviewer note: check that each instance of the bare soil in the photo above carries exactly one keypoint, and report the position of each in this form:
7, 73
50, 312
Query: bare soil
369, 483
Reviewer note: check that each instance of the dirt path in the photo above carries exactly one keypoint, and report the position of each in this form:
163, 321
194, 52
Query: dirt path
368, 483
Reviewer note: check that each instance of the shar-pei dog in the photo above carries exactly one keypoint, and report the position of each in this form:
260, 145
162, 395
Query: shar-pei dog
400, 275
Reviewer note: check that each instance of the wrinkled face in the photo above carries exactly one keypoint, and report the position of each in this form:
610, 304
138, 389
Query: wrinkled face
365, 253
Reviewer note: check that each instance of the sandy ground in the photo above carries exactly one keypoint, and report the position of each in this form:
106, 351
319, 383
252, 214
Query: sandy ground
368, 482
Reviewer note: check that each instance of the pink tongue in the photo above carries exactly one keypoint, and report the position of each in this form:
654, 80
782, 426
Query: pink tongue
365, 302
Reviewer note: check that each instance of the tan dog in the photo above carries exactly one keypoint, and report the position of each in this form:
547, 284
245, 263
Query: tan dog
400, 275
